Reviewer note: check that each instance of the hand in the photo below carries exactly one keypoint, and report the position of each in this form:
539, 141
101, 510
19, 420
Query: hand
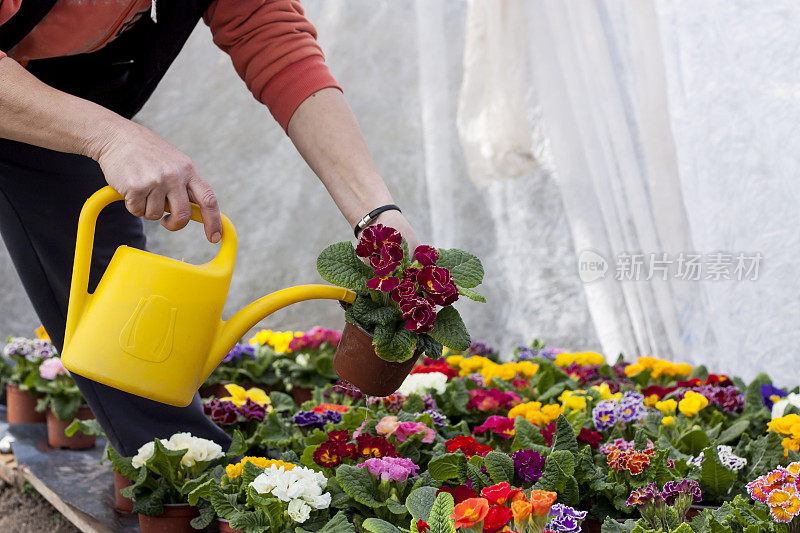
151, 174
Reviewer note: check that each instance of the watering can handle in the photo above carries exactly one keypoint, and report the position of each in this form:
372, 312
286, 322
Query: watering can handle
84, 242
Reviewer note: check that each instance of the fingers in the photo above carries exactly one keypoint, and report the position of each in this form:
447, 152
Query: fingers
201, 194
180, 210
154, 208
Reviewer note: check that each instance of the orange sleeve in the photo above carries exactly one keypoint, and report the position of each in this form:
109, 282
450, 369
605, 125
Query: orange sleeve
274, 50
7, 10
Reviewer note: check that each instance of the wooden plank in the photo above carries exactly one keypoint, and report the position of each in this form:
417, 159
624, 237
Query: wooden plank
81, 520
8, 469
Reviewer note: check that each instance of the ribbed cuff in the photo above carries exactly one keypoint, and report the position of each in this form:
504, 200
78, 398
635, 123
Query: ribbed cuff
284, 93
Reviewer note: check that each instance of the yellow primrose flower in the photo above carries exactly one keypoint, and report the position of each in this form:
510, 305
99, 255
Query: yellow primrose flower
692, 403
790, 444
574, 400
564, 359
667, 406
589, 358
651, 400
41, 333
239, 396
683, 369
603, 389
632, 370
668, 420
234, 471
527, 368
454, 360
785, 425
535, 413
617, 396
262, 337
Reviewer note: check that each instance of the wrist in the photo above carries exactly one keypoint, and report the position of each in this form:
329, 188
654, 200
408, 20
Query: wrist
105, 129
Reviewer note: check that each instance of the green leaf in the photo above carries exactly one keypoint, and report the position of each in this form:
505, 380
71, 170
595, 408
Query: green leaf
393, 342
439, 519
382, 315
558, 468
693, 442
420, 502
207, 515
449, 330
466, 269
429, 347
528, 437
224, 504
358, 484
238, 445
87, 427
152, 503
122, 464
252, 522
733, 432
715, 479
250, 472
396, 508
376, 525
763, 454
281, 402
472, 294
564, 437
752, 395
201, 491
339, 264
338, 524
448, 466
500, 467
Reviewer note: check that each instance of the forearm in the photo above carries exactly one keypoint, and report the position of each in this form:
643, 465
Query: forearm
34, 113
327, 135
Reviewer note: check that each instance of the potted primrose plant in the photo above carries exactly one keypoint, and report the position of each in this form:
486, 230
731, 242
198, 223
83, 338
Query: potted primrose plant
394, 318
62, 401
23, 357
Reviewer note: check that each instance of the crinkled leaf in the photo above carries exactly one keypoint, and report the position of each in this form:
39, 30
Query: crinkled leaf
238, 445
439, 520
376, 525
733, 432
393, 342
207, 515
339, 264
500, 467
449, 330
420, 502
251, 522
472, 294
558, 468
358, 484
225, 505
466, 269
715, 479
448, 466
564, 437
121, 464
87, 427
429, 347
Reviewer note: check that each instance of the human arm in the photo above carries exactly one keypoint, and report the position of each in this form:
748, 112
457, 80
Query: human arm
327, 135
147, 170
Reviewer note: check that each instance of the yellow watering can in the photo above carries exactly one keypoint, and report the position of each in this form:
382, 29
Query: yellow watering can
153, 326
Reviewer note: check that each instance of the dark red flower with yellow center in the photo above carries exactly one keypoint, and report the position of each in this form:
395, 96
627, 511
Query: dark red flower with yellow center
341, 435
368, 447
438, 284
327, 455
374, 237
496, 519
468, 446
387, 260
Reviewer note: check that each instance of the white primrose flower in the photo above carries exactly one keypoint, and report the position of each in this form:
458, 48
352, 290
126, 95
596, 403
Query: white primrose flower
299, 511
422, 383
197, 450
779, 407
143, 454
300, 487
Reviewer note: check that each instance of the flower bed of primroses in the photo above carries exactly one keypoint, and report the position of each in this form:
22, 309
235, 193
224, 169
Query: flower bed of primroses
549, 441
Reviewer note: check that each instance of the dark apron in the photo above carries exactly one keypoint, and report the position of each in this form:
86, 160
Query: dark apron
122, 75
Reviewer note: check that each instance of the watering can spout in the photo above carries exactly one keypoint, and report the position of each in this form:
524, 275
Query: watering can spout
231, 330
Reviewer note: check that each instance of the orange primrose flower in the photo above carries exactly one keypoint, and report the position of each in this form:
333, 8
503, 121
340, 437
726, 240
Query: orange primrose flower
541, 501
470, 512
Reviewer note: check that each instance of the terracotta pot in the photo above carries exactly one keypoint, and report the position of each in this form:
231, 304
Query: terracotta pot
21, 406
356, 361
56, 427
175, 519
122, 503
301, 394
225, 527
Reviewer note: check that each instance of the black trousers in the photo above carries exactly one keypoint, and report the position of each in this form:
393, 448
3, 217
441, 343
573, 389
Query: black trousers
41, 195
